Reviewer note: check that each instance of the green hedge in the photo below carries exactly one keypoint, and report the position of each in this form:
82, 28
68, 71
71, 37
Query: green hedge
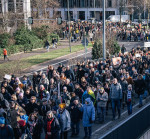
4, 40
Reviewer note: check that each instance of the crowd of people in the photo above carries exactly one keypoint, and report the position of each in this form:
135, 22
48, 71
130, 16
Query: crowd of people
50, 105
125, 32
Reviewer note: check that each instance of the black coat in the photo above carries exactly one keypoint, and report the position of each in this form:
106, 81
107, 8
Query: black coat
30, 108
140, 86
55, 129
75, 113
6, 132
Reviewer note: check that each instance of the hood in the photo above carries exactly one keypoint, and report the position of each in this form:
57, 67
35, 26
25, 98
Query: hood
88, 100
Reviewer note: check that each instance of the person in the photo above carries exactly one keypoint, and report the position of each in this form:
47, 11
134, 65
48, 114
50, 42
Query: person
14, 116
23, 131
116, 97
102, 98
140, 88
124, 85
44, 108
64, 120
32, 121
6, 132
76, 116
88, 94
88, 117
5, 54
53, 42
129, 99
51, 126
31, 105
47, 45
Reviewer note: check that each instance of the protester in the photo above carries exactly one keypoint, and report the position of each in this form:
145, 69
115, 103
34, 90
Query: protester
116, 97
88, 117
102, 98
52, 126
64, 120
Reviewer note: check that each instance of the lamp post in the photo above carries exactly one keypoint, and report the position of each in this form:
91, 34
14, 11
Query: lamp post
104, 45
69, 25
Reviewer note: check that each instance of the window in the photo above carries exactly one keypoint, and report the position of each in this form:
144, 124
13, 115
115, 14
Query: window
11, 6
109, 3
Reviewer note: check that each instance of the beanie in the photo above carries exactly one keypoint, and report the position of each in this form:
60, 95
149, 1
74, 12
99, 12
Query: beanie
22, 123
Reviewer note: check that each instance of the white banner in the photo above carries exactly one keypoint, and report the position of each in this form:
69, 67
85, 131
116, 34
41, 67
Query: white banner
146, 44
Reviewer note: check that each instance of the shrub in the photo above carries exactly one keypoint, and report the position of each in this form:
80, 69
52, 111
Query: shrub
4, 40
28, 39
41, 33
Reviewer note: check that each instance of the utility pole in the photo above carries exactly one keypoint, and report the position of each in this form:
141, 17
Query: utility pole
104, 45
69, 26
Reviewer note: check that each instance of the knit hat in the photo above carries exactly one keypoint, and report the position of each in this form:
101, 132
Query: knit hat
21, 94
21, 123
17, 89
2, 120
17, 79
62, 105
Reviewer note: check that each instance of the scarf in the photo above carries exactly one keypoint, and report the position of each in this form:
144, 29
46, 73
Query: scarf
49, 125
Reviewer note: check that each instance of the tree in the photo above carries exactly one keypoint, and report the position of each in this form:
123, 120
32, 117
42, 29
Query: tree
97, 50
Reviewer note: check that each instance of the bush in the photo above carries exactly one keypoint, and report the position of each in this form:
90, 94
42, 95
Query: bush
4, 40
28, 39
41, 32
54, 36
15, 49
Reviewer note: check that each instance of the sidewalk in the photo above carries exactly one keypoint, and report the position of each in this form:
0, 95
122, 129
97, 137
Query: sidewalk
63, 44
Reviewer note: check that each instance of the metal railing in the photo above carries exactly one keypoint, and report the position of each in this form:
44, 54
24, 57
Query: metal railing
131, 128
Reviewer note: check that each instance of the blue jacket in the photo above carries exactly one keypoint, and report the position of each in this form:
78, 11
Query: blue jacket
88, 112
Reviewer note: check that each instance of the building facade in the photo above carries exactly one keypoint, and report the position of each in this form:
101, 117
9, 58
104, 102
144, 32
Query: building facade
14, 12
85, 9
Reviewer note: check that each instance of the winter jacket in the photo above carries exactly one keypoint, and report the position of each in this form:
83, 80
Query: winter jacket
30, 108
64, 120
55, 128
14, 117
70, 74
4, 103
88, 112
66, 98
44, 94
124, 85
140, 86
75, 113
6, 96
116, 91
102, 99
6, 132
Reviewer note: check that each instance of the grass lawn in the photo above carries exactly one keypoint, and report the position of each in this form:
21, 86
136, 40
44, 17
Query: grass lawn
10, 67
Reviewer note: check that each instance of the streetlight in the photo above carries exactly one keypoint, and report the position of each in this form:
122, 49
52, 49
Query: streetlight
69, 25
104, 48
